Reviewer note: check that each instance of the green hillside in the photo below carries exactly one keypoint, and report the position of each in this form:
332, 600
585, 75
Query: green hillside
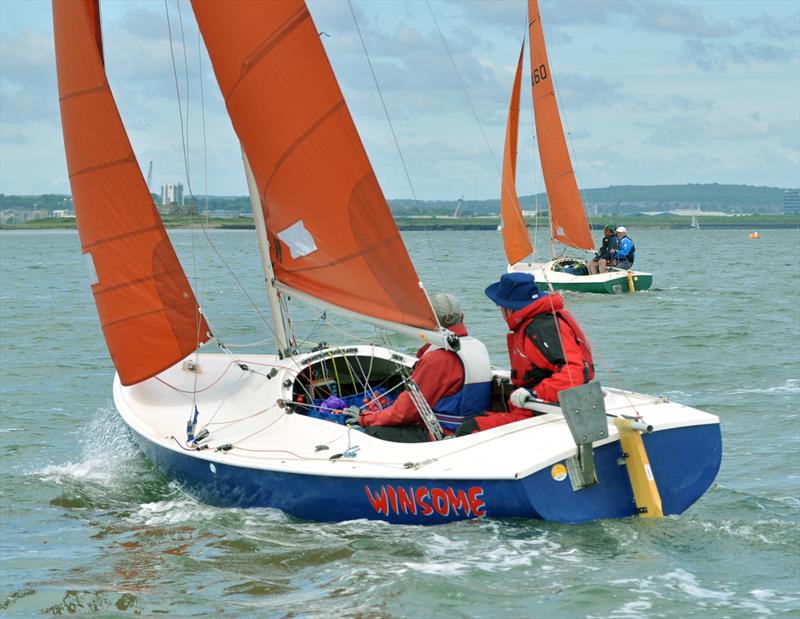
627, 199
622, 199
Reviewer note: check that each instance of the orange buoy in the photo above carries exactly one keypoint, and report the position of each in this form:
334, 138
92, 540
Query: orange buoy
755, 235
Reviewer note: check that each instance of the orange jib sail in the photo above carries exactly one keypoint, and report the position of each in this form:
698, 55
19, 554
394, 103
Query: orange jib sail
330, 230
147, 309
516, 241
566, 208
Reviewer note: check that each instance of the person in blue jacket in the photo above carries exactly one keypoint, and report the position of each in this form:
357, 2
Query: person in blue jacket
604, 257
625, 251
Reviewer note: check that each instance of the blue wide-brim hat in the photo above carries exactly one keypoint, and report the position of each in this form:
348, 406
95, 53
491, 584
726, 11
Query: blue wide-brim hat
514, 291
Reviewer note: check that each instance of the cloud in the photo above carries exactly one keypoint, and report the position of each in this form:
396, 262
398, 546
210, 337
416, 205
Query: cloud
335, 19
512, 15
508, 14
27, 56
579, 91
140, 52
593, 13
140, 49
709, 130
146, 24
773, 28
414, 70
674, 18
13, 136
673, 103
714, 45
27, 75
718, 55
429, 161
610, 164
559, 17
690, 133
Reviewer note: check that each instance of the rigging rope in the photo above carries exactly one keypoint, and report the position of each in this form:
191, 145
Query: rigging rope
472, 106
538, 173
185, 132
383, 102
190, 425
568, 138
184, 144
560, 51
464, 88
394, 136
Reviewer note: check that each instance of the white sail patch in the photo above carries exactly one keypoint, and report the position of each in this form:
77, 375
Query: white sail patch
91, 271
298, 240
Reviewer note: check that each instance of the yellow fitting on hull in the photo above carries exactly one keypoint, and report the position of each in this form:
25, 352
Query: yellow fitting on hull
631, 287
643, 484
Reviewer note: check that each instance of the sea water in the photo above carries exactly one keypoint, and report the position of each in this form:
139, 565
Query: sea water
88, 526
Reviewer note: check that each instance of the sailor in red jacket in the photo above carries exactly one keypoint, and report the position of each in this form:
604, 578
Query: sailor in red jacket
547, 348
455, 385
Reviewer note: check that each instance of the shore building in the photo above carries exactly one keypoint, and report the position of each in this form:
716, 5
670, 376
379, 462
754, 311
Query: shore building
791, 202
172, 194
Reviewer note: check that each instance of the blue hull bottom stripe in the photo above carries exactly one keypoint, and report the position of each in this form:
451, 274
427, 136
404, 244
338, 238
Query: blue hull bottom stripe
685, 462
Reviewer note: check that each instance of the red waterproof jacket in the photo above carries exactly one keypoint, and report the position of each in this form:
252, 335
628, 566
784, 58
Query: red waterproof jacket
438, 374
548, 355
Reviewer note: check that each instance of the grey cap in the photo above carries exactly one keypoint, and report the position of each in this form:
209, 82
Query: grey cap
447, 308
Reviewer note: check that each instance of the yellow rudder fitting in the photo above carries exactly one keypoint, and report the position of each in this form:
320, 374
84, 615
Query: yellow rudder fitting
631, 286
643, 484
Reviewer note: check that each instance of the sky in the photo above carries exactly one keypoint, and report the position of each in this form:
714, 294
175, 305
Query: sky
651, 92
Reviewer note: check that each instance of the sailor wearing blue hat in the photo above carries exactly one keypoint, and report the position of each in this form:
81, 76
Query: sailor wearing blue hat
514, 291
547, 348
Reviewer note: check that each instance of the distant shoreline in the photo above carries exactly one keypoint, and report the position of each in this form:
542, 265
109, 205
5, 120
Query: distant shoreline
741, 222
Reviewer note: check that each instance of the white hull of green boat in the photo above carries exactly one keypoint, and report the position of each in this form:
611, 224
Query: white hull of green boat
552, 276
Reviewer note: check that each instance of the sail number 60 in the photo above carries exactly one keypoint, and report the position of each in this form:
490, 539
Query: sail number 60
539, 74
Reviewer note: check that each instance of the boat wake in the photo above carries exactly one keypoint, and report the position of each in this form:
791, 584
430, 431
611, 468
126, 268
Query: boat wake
107, 453
452, 554
183, 509
685, 584
770, 532
111, 469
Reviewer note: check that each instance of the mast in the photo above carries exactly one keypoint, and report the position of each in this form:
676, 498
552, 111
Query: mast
281, 332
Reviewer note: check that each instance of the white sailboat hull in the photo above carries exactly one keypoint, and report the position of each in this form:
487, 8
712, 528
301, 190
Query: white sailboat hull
319, 470
556, 275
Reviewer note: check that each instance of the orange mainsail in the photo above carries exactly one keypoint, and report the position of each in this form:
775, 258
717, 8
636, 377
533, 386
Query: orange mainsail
516, 241
147, 309
331, 234
566, 208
